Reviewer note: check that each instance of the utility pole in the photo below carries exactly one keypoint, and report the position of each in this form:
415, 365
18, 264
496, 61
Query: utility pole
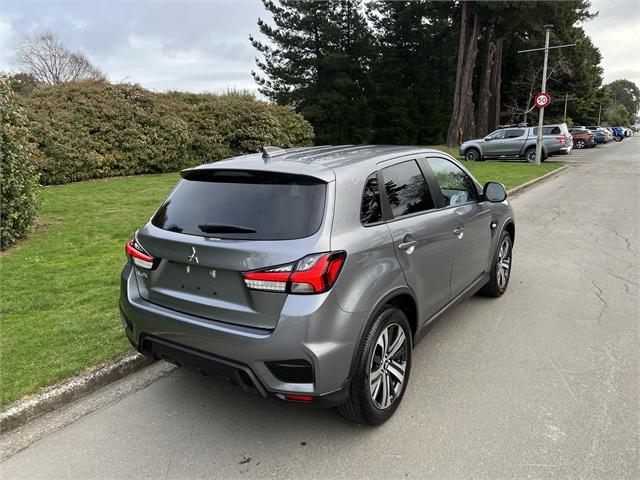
544, 89
566, 97
599, 113
544, 86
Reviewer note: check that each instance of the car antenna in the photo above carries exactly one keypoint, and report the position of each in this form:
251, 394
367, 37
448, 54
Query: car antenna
269, 152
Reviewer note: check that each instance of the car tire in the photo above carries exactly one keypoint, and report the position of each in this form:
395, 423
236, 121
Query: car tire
500, 268
374, 402
530, 155
472, 155
579, 144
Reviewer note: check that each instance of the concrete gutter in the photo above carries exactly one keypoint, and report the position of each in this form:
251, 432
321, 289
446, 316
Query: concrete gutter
62, 393
65, 392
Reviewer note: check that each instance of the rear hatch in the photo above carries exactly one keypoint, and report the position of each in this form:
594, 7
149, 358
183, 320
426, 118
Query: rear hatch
217, 224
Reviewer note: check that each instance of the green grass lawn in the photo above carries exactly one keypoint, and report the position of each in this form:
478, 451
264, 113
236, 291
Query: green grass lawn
59, 287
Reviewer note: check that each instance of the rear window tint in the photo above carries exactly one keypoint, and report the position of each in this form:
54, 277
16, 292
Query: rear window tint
244, 205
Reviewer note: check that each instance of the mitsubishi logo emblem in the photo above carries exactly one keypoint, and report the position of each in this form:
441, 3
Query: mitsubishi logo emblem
192, 258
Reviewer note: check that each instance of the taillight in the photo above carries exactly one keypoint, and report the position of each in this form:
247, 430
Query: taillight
138, 255
561, 138
312, 274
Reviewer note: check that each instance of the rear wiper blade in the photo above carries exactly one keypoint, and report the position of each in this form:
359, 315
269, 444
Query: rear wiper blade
222, 228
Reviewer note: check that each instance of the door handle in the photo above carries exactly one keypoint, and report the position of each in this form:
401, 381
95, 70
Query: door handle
459, 232
408, 247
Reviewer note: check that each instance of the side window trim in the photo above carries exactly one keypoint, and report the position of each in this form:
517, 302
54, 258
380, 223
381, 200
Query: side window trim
384, 200
436, 193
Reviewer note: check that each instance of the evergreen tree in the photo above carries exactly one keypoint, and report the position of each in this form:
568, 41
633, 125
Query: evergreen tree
411, 74
317, 61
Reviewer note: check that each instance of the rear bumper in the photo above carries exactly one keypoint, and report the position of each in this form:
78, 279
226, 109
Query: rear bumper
311, 328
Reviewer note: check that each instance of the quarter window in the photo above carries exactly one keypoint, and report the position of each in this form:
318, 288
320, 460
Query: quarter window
406, 189
370, 211
456, 186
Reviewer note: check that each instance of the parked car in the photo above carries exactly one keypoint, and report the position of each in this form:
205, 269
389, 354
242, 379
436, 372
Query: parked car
309, 274
599, 134
609, 133
618, 133
518, 142
582, 138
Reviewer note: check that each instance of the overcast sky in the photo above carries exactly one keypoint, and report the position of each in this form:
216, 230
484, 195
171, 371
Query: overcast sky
202, 45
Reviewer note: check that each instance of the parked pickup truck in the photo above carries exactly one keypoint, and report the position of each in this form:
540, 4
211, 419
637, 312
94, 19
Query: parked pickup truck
518, 142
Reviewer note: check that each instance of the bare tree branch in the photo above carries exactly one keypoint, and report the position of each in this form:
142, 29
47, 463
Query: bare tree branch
50, 62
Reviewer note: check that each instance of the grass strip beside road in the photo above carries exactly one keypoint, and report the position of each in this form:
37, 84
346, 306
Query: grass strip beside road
511, 174
59, 288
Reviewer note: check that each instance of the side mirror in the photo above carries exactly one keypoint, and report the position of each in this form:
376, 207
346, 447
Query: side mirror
494, 192
487, 138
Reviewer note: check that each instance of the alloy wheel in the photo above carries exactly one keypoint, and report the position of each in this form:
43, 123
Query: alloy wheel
387, 366
503, 264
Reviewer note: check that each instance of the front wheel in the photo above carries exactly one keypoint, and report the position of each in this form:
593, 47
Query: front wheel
579, 144
472, 155
382, 369
501, 270
617, 138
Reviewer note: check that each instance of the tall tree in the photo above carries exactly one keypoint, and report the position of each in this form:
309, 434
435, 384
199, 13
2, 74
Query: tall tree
317, 61
411, 74
627, 93
462, 124
50, 62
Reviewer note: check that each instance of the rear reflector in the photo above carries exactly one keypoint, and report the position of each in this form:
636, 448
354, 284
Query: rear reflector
314, 273
298, 398
138, 255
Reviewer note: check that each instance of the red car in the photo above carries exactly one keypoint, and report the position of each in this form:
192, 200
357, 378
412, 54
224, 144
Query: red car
582, 138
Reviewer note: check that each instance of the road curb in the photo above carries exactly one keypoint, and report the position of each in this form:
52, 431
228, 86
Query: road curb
62, 393
526, 186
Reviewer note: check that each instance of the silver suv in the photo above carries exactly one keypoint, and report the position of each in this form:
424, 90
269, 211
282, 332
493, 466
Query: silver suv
295, 275
519, 142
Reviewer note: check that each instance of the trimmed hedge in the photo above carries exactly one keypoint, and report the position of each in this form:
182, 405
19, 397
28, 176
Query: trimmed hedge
93, 129
18, 178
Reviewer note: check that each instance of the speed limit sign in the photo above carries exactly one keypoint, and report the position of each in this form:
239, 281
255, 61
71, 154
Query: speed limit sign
542, 100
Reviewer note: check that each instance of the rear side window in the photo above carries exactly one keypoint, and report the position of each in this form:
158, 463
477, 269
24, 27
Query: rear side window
515, 133
456, 186
370, 211
244, 205
406, 189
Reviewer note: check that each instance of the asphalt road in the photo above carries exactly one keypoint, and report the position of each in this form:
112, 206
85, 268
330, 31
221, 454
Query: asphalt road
542, 383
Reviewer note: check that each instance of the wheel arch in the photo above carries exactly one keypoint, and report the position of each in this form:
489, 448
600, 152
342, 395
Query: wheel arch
510, 227
402, 298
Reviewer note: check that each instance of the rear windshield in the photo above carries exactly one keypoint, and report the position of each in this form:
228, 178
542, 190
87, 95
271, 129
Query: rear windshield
244, 205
